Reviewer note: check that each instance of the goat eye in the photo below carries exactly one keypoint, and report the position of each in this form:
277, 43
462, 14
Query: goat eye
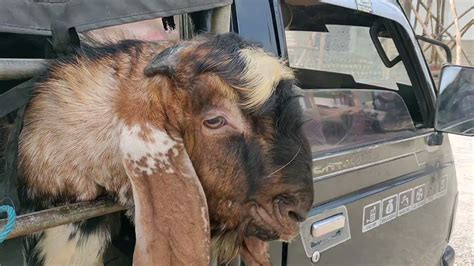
215, 122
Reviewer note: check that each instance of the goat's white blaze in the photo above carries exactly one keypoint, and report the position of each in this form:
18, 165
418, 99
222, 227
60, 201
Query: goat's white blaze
263, 73
59, 247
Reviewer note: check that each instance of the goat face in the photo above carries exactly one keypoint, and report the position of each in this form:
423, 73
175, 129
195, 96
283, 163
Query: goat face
241, 126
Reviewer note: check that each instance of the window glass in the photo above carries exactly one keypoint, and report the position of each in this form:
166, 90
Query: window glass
345, 117
390, 49
147, 30
345, 49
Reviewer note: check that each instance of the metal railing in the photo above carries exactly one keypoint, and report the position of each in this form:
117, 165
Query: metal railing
39, 221
13, 68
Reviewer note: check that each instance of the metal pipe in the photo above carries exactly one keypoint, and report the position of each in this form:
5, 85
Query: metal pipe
20, 68
38, 221
220, 21
449, 56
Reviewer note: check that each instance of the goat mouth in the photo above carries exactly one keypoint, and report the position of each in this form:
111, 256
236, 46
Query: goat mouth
268, 225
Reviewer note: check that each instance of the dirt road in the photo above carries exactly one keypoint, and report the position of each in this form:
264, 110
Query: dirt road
463, 236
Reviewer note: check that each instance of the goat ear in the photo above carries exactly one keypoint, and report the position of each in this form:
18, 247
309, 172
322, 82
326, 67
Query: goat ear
165, 62
171, 214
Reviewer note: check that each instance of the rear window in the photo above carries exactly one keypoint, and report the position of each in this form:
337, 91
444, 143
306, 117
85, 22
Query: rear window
147, 30
345, 49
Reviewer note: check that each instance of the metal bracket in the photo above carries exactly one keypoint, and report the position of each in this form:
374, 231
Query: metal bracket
435, 139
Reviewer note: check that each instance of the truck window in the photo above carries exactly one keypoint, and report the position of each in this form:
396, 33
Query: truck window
147, 30
344, 118
354, 94
345, 49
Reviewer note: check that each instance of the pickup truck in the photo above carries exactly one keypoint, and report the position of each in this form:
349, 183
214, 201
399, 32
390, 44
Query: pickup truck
384, 178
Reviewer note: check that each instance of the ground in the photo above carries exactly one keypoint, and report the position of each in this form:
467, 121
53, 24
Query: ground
463, 236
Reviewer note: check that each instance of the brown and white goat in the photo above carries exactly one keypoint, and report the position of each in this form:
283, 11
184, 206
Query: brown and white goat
203, 138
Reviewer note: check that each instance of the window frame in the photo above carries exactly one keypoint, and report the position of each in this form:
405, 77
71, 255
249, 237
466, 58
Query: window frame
404, 43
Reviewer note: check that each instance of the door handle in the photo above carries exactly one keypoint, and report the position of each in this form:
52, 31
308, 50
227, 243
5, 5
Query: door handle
325, 229
328, 225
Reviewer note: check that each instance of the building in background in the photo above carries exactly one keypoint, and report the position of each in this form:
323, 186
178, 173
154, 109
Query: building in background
444, 20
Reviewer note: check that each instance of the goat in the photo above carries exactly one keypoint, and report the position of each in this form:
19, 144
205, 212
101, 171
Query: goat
202, 139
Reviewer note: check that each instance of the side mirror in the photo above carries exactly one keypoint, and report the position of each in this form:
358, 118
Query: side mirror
455, 104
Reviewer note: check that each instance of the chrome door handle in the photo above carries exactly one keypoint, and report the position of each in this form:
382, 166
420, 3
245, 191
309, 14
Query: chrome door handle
325, 229
328, 225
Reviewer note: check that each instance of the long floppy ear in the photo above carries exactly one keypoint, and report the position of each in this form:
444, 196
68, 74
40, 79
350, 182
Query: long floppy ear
171, 214
165, 62
254, 252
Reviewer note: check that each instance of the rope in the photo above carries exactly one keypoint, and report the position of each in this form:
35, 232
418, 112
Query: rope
11, 220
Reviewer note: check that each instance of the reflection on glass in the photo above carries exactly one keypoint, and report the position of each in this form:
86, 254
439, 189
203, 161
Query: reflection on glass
455, 110
343, 117
345, 49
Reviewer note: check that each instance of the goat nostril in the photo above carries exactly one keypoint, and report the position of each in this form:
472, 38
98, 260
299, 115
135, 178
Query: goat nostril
295, 217
292, 212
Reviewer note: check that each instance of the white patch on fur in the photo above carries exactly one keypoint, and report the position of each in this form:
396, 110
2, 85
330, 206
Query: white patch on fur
169, 171
263, 73
57, 248
156, 147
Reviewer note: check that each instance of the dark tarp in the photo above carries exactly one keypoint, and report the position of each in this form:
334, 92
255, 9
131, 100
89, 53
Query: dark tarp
10, 126
11, 122
36, 16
